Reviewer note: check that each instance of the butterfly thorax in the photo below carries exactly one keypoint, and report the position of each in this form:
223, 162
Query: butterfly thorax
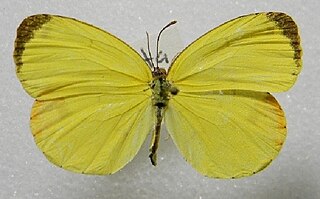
162, 89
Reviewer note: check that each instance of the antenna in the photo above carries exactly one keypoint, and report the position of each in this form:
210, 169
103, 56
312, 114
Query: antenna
148, 41
169, 24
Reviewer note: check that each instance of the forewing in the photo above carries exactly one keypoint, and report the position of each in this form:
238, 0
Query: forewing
227, 135
59, 57
259, 52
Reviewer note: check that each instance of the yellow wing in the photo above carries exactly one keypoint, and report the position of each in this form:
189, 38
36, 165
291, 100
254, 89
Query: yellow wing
222, 120
96, 134
259, 52
92, 110
227, 134
59, 57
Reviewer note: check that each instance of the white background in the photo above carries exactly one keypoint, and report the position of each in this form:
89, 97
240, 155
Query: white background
25, 172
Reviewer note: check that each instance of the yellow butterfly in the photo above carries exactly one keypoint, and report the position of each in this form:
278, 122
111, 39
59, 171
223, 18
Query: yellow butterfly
96, 99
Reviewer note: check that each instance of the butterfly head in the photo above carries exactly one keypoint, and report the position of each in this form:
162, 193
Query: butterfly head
159, 73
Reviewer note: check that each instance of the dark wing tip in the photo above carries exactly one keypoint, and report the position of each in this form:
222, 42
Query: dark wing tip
25, 32
290, 30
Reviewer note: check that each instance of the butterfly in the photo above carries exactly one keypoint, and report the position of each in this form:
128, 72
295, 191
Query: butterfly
97, 99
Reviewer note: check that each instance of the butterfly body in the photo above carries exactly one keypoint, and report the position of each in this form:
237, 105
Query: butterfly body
162, 91
97, 99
